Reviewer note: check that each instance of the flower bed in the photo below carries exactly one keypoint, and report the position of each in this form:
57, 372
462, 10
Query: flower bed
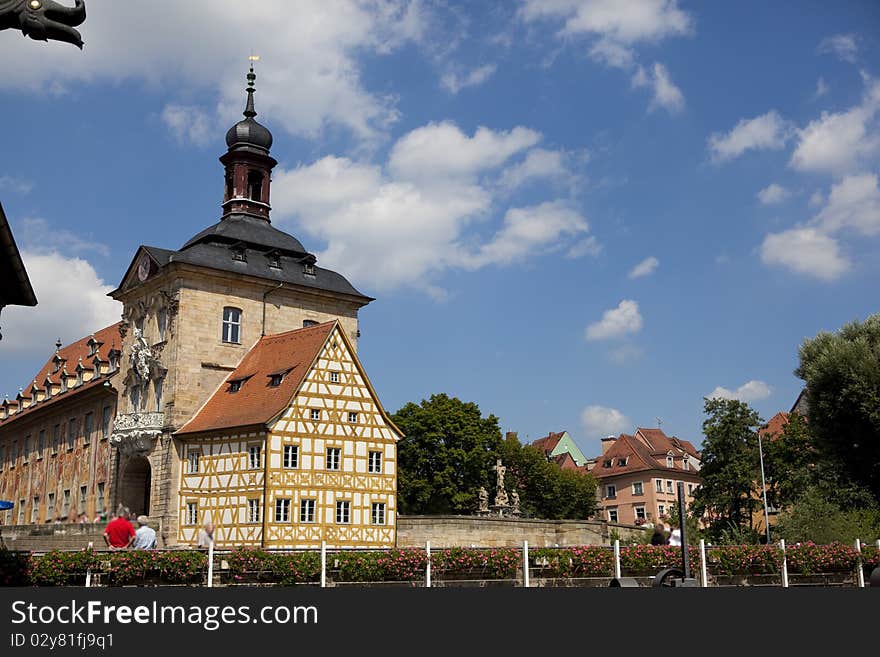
582, 561
252, 565
470, 563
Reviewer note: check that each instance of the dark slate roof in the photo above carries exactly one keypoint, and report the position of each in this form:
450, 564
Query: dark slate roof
249, 135
15, 287
251, 230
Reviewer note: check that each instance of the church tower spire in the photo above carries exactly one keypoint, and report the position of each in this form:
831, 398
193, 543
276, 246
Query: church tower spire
248, 163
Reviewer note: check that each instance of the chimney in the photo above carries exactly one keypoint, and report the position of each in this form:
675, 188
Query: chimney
607, 443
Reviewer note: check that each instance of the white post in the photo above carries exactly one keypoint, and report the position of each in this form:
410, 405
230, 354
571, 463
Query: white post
784, 565
89, 572
428, 565
526, 564
617, 558
210, 564
323, 564
878, 543
861, 571
704, 577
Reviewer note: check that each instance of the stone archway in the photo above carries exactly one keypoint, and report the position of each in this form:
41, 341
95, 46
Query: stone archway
135, 490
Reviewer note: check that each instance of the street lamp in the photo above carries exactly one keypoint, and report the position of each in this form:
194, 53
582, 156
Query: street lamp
764, 489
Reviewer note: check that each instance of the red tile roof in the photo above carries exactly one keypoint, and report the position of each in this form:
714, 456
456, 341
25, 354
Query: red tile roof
646, 450
71, 354
775, 427
565, 461
548, 443
257, 402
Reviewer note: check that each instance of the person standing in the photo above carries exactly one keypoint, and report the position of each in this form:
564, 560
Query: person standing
206, 537
119, 533
659, 535
145, 536
675, 537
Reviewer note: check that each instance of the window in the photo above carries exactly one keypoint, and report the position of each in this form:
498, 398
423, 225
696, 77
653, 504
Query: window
50, 507
309, 322
161, 322
56, 438
611, 491
65, 507
88, 428
41, 443
193, 460
640, 513
638, 489
378, 513
333, 459
100, 506
192, 513
275, 380
661, 510
334, 377
307, 511
254, 460
374, 464
238, 253
105, 423
282, 510
343, 512
690, 489
621, 461
21, 504
309, 269
291, 456
274, 259
26, 451
71, 434
255, 185
83, 491
35, 510
669, 486
232, 325
13, 454
234, 386
606, 463
658, 485
352, 417
315, 414
612, 515
670, 462
253, 512
157, 388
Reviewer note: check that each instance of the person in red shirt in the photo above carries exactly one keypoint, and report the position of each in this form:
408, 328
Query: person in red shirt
119, 533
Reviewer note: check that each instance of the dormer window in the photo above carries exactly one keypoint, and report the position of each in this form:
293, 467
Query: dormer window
309, 269
606, 463
274, 259
234, 386
275, 380
57, 363
685, 463
93, 346
114, 358
255, 185
621, 461
309, 322
670, 462
238, 253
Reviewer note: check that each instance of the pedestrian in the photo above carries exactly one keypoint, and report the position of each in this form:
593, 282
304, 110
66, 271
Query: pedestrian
119, 534
675, 537
145, 536
206, 537
659, 535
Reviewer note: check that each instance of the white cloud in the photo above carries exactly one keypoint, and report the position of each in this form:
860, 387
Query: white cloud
443, 150
645, 268
840, 142
67, 288
190, 123
616, 322
16, 184
748, 392
854, 203
822, 88
805, 251
842, 45
39, 237
454, 83
309, 73
538, 164
406, 222
601, 421
588, 246
773, 194
666, 94
767, 131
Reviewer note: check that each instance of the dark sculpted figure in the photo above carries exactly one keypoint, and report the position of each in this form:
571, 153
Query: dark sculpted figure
44, 20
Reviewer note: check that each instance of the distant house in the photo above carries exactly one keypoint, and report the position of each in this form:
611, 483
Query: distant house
560, 447
15, 287
638, 475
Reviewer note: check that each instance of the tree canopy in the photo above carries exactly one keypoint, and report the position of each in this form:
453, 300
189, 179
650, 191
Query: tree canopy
841, 373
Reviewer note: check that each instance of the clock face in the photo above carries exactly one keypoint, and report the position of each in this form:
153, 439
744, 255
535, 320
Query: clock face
144, 267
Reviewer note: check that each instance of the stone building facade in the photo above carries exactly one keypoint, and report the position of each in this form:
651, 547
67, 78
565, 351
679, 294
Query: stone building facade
190, 316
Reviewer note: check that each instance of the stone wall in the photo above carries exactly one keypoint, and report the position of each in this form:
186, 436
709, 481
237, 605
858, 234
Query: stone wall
464, 531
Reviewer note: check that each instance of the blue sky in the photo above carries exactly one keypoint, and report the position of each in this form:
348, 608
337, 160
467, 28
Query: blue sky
582, 215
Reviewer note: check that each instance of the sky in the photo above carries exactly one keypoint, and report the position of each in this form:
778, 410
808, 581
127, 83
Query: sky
582, 215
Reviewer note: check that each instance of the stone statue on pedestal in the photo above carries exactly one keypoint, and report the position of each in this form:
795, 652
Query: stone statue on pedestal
484, 500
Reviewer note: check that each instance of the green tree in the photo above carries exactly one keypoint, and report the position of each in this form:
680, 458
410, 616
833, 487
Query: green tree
790, 462
816, 517
841, 372
445, 456
729, 466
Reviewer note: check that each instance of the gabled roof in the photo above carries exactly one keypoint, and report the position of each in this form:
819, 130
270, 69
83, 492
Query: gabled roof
661, 444
645, 450
70, 355
548, 443
775, 426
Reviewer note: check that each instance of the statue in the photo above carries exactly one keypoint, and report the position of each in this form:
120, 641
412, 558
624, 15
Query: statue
141, 356
43, 20
484, 500
500, 492
514, 497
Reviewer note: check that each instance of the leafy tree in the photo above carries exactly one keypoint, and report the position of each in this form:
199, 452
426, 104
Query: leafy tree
816, 517
790, 462
841, 372
445, 456
729, 465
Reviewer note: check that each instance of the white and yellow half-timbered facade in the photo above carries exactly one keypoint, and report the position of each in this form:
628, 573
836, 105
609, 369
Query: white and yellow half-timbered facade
294, 448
